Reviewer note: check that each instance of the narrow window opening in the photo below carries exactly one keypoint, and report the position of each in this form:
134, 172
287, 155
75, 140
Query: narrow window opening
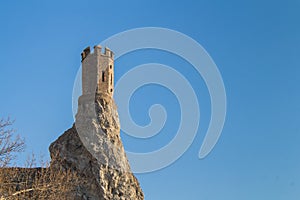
110, 66
111, 79
103, 76
111, 90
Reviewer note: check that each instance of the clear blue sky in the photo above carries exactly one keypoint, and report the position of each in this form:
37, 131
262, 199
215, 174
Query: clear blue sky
255, 44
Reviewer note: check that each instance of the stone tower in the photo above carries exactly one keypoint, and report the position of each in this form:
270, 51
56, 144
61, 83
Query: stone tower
92, 147
97, 71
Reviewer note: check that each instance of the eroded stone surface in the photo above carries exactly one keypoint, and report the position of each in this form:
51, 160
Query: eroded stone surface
93, 148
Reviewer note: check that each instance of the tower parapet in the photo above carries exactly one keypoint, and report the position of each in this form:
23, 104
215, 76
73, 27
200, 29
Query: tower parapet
97, 71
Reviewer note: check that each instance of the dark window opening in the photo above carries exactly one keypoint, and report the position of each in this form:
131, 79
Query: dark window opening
103, 76
111, 79
110, 66
111, 90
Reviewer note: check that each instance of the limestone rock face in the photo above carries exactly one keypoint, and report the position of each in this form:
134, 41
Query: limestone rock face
93, 149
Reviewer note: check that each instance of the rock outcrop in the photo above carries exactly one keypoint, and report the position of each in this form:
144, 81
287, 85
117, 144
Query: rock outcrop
93, 149
88, 161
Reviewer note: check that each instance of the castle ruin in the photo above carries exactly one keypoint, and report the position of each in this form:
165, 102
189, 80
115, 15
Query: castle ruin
97, 71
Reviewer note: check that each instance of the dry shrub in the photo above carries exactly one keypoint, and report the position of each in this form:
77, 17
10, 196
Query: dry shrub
38, 183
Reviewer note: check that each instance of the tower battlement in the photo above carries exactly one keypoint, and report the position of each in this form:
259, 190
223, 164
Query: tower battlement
98, 50
97, 71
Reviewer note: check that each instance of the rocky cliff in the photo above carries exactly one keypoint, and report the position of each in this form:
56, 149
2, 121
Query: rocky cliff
93, 149
88, 161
